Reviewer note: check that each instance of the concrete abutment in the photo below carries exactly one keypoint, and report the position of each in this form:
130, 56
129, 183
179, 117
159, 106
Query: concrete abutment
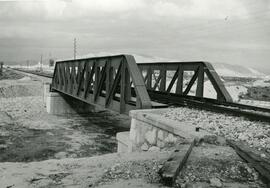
149, 131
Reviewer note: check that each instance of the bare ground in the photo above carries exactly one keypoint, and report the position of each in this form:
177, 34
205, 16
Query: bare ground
29, 136
28, 133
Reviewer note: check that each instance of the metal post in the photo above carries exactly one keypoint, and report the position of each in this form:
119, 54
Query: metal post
1, 68
41, 62
75, 47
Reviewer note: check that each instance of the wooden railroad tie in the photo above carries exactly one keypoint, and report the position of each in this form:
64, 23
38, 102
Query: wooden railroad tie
253, 157
175, 164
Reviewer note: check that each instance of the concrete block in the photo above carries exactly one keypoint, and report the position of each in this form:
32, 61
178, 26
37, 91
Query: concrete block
151, 136
123, 141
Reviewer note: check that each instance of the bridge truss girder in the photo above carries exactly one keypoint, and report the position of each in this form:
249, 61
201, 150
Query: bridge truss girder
119, 84
105, 81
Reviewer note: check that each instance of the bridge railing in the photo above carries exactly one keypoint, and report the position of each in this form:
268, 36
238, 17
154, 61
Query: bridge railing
105, 81
172, 77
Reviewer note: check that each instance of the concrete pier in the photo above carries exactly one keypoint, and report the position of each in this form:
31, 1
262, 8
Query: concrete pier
46, 91
57, 103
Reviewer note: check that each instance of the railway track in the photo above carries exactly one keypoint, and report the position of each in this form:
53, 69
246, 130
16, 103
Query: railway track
39, 73
235, 109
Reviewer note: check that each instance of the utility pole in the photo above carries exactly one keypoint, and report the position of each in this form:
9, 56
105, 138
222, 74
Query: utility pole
27, 64
41, 62
75, 47
1, 68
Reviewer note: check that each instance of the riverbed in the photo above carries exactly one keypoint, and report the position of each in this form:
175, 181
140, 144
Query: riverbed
29, 133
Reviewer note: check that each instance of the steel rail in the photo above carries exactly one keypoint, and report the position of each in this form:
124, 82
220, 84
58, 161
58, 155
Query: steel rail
235, 109
38, 73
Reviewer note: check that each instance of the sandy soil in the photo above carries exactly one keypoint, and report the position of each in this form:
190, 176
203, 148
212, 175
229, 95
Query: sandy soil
83, 172
131, 170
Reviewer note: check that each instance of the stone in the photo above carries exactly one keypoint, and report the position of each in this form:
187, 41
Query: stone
215, 182
3, 146
60, 155
154, 149
49, 134
144, 147
74, 155
151, 136
243, 137
170, 139
259, 135
161, 135
263, 155
160, 144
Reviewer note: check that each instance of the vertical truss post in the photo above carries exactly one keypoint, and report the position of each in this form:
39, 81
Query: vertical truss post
71, 75
123, 89
149, 78
81, 77
97, 76
67, 76
163, 78
109, 78
179, 86
200, 82
127, 86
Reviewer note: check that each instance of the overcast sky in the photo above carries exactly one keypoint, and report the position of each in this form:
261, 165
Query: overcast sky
228, 31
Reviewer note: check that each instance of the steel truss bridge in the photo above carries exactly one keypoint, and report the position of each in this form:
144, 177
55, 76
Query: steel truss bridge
119, 84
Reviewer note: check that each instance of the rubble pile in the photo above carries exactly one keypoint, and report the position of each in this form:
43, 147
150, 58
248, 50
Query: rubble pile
147, 169
216, 173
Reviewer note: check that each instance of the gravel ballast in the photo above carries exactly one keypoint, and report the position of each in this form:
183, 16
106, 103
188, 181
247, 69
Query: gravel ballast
255, 133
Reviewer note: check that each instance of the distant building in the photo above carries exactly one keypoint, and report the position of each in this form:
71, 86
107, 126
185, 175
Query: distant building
51, 63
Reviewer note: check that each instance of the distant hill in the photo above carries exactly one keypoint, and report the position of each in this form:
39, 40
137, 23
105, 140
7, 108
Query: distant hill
224, 69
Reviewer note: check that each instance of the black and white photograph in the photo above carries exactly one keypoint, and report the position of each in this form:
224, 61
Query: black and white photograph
134, 94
